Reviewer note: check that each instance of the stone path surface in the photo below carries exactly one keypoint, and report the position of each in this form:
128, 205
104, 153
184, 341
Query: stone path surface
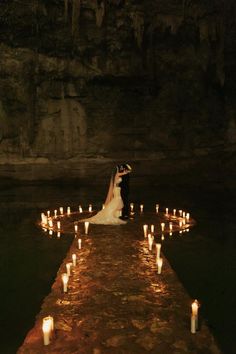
116, 302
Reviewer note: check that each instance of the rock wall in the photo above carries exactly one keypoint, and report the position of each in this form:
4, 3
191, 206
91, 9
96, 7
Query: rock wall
114, 80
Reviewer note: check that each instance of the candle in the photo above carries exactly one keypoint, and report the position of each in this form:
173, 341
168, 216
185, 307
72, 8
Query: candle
162, 226
150, 242
145, 230
162, 237
167, 211
180, 212
68, 210
184, 222
158, 248
90, 208
61, 210
74, 259
193, 324
187, 216
170, 233
50, 232
58, 234
79, 243
44, 219
152, 229
50, 223
76, 228
47, 328
174, 212
183, 214
141, 208
65, 279
157, 208
58, 225
170, 226
187, 230
68, 267
159, 265
55, 213
180, 232
131, 207
48, 213
86, 227
80, 209
180, 223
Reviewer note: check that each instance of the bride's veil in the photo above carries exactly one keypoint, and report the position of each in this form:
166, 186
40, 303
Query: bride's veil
111, 186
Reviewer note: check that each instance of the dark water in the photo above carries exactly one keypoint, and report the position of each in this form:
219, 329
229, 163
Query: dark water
204, 259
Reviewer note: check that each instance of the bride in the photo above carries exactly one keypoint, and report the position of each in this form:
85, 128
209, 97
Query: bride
110, 214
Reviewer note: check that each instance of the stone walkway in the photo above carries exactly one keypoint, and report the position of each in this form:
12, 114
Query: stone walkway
116, 302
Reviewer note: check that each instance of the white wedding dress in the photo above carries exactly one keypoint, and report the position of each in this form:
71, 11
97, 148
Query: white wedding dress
112, 210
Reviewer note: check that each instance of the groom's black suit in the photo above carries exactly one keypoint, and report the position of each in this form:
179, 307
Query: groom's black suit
124, 185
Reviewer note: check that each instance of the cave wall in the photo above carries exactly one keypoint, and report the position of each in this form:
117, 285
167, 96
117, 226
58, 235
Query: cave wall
114, 80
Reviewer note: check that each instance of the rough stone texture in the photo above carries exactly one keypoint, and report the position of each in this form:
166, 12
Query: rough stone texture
116, 79
116, 301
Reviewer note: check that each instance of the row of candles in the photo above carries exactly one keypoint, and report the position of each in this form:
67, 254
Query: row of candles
159, 264
48, 322
181, 213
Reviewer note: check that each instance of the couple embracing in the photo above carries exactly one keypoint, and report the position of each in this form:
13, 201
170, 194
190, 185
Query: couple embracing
116, 207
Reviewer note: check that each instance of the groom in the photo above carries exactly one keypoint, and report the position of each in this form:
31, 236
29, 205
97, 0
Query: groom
124, 185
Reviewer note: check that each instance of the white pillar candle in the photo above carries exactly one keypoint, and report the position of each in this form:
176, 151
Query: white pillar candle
58, 234
152, 229
145, 230
90, 208
159, 265
68, 210
180, 212
195, 307
180, 223
184, 222
158, 248
50, 222
76, 228
150, 242
65, 279
47, 328
170, 226
157, 208
74, 259
167, 211
80, 209
55, 213
44, 219
131, 207
174, 212
86, 227
79, 243
61, 210
58, 225
187, 216
48, 213
193, 324
141, 208
68, 268
183, 214
162, 226
162, 237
